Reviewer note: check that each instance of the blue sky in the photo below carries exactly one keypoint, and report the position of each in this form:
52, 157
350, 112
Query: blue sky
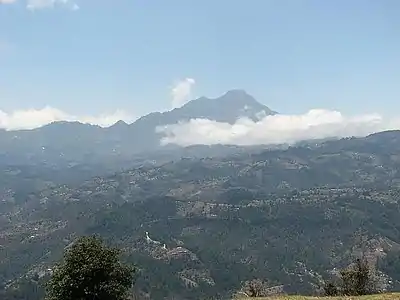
128, 54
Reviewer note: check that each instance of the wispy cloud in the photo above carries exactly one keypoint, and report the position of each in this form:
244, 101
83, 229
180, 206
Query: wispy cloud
181, 92
41, 4
7, 1
315, 124
33, 118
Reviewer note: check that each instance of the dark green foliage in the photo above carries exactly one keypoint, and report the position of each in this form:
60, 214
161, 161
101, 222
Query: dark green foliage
356, 280
90, 271
330, 289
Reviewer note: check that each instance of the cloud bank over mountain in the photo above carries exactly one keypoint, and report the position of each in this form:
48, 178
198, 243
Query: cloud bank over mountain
273, 129
33, 118
234, 118
280, 128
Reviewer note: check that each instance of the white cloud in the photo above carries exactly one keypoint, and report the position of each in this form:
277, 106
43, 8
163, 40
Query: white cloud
41, 4
33, 118
7, 1
317, 123
181, 92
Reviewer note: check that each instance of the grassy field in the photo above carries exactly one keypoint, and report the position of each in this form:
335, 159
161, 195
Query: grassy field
395, 296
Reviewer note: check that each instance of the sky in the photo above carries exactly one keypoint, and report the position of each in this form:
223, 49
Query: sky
99, 60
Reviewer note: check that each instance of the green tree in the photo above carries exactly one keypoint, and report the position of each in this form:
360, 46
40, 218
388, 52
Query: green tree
90, 271
355, 280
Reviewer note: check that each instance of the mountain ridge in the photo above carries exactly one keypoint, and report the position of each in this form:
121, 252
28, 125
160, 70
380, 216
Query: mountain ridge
239, 96
75, 140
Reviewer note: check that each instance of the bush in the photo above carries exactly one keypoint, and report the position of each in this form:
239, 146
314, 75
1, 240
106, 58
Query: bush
254, 288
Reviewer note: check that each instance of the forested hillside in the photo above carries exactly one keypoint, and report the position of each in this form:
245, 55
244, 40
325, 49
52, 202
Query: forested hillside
199, 228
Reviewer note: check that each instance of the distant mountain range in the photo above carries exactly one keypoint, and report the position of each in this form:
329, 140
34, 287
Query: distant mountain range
73, 141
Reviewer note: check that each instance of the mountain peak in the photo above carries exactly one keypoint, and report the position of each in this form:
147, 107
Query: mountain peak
228, 108
120, 124
237, 93
240, 98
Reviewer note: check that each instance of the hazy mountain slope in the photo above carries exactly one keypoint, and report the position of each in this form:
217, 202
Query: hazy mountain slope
73, 141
